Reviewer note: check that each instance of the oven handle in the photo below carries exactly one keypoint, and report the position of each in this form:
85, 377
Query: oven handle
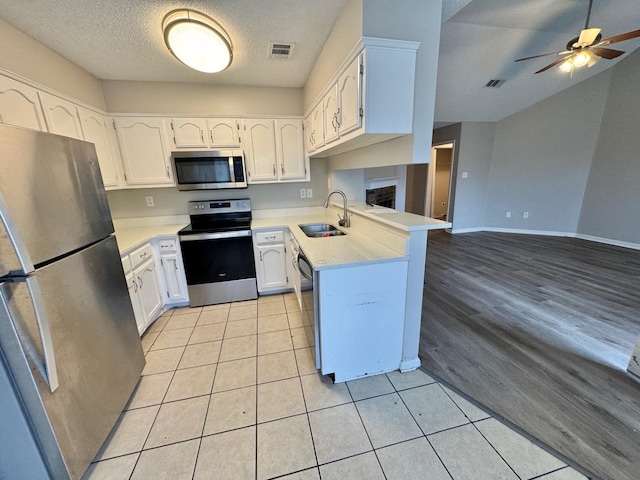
214, 236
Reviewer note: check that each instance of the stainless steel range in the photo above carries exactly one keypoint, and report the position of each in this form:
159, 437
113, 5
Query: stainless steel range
218, 253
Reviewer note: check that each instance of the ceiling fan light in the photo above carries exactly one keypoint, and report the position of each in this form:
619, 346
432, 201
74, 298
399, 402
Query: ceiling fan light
197, 41
567, 66
581, 59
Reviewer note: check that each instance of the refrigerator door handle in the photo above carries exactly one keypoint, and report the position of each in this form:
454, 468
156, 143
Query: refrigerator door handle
51, 376
47, 365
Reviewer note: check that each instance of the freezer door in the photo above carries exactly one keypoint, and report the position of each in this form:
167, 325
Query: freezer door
95, 346
52, 200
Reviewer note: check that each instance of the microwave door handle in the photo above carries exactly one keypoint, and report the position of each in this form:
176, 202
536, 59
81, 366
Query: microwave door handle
47, 365
232, 169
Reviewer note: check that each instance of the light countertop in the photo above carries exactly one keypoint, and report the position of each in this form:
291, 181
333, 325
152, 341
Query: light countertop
131, 237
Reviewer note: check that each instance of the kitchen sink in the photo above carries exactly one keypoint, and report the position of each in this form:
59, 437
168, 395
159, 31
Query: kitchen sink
320, 230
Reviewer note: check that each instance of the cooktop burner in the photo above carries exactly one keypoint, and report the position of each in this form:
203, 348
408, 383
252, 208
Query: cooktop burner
213, 216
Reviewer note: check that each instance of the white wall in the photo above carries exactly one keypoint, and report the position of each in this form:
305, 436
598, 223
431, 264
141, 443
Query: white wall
200, 99
541, 159
24, 56
571, 161
170, 201
611, 206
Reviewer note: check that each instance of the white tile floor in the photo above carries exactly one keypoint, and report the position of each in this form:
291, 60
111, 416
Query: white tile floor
231, 392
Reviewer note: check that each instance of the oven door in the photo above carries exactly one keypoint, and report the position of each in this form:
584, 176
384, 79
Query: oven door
219, 267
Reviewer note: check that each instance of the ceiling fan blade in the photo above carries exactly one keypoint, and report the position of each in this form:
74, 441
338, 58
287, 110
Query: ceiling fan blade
619, 38
553, 64
563, 52
588, 36
607, 53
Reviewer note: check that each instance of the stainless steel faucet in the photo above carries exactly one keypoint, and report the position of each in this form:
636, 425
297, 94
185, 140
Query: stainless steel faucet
344, 221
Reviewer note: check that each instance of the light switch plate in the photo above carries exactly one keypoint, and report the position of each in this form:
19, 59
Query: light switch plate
309, 193
303, 193
149, 200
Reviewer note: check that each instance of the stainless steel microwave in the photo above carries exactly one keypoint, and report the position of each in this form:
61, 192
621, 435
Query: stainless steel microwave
209, 170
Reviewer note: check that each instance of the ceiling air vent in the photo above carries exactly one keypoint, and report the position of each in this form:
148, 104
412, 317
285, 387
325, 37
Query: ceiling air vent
494, 83
280, 50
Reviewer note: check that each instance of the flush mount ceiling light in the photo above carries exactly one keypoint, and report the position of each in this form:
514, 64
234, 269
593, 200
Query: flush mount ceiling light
197, 40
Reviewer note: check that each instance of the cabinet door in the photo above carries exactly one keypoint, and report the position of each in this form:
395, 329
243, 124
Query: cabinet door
148, 290
272, 267
290, 150
189, 132
331, 112
174, 277
143, 146
132, 285
96, 130
223, 132
260, 150
350, 98
61, 116
19, 105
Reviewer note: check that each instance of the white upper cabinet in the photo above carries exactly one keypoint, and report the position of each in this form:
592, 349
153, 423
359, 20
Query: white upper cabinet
144, 149
294, 164
204, 132
349, 116
259, 143
20, 105
61, 116
369, 99
223, 132
274, 151
97, 130
314, 128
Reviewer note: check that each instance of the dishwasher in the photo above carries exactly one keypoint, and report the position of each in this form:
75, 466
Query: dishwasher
304, 280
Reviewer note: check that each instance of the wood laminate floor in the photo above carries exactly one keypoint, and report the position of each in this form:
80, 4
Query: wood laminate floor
540, 330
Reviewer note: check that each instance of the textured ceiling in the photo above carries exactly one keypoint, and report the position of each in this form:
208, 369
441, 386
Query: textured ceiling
480, 39
122, 39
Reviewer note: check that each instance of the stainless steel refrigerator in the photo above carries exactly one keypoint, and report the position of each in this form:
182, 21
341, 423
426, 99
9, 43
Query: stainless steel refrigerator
70, 353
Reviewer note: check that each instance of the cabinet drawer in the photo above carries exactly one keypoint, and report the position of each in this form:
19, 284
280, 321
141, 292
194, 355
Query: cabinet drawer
270, 237
142, 254
126, 264
167, 245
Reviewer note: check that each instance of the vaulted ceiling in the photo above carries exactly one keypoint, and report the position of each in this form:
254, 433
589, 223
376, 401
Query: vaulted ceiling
480, 39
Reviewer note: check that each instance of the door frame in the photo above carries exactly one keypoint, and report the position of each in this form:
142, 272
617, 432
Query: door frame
429, 196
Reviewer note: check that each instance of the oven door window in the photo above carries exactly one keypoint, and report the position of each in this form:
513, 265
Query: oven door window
219, 260
203, 170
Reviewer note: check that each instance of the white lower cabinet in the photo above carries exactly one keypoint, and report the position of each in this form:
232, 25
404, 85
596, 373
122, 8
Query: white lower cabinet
361, 318
144, 288
174, 282
271, 261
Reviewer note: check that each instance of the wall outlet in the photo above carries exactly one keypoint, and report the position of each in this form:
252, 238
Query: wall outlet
303, 193
149, 200
525, 215
465, 174
309, 193
508, 215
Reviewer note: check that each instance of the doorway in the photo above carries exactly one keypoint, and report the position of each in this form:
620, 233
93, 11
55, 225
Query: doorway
439, 182
429, 185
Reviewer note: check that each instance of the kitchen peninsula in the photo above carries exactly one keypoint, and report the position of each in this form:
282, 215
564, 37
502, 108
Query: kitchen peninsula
373, 274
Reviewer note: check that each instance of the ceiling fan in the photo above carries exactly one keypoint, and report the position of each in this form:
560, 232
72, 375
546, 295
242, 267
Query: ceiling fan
585, 49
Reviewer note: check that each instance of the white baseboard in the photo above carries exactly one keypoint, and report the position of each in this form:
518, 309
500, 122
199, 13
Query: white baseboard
591, 238
608, 241
409, 365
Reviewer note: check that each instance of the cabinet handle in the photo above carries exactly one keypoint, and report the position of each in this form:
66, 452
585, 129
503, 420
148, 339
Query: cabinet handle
143, 255
274, 169
282, 167
260, 255
140, 280
135, 286
211, 136
339, 117
201, 136
168, 176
